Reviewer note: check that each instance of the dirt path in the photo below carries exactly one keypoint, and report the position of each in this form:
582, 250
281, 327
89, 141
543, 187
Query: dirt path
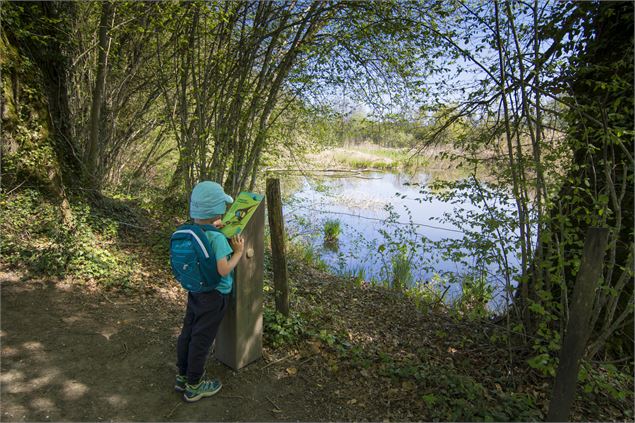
72, 352
75, 354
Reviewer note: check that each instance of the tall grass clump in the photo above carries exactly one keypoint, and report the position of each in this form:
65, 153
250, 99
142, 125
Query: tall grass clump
428, 295
306, 253
401, 272
357, 275
332, 230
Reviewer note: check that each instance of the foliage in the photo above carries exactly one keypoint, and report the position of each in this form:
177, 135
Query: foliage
370, 156
280, 331
546, 344
450, 395
306, 253
599, 188
605, 380
476, 293
401, 271
34, 238
332, 230
355, 130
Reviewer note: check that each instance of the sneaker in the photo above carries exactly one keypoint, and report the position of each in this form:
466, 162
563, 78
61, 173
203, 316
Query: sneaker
205, 388
179, 385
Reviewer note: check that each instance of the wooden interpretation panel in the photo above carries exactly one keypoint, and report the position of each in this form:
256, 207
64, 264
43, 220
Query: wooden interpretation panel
239, 338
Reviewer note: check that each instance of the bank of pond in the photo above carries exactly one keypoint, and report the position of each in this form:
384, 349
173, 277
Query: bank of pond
393, 228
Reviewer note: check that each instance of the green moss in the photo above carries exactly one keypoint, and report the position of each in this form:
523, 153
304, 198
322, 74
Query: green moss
26, 150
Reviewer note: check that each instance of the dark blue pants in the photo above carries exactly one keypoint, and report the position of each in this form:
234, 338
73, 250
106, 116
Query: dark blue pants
205, 311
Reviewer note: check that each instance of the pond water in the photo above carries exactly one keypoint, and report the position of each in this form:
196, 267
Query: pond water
377, 212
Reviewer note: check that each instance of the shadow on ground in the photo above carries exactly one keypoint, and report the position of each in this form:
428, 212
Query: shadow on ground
82, 355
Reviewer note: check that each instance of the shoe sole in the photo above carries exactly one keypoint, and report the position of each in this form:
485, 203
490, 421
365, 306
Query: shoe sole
178, 388
201, 395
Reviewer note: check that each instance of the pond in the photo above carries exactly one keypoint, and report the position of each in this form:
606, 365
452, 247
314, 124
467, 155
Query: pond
377, 212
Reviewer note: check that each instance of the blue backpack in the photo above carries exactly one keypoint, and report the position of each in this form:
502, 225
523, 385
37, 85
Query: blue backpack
192, 258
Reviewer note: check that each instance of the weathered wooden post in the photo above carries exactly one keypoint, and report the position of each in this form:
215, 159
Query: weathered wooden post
278, 257
577, 333
239, 339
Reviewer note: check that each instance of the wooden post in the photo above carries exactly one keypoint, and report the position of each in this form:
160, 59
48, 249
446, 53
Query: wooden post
577, 333
239, 338
278, 257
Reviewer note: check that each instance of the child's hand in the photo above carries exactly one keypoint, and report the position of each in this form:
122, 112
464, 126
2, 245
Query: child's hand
238, 244
218, 224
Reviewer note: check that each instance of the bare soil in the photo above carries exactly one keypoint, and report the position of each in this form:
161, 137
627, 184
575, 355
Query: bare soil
75, 353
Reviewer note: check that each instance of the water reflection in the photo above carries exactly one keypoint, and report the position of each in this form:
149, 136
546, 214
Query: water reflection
375, 210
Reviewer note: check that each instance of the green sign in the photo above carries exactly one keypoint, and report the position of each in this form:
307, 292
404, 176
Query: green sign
240, 212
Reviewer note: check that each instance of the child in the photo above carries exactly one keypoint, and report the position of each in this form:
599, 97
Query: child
205, 310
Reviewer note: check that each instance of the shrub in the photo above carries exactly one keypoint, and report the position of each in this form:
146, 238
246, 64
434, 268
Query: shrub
280, 330
476, 293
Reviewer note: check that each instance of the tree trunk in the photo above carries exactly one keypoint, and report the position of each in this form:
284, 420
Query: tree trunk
278, 254
577, 334
93, 148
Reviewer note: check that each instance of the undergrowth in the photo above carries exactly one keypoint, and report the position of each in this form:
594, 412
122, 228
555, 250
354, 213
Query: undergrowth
280, 330
36, 239
451, 395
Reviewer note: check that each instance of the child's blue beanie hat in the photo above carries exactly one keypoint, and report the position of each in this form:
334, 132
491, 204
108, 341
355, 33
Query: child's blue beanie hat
208, 200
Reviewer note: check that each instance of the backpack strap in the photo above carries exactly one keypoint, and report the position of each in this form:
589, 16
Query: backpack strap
204, 248
201, 229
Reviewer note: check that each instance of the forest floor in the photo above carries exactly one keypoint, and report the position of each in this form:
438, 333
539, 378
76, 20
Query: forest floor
76, 352
74, 349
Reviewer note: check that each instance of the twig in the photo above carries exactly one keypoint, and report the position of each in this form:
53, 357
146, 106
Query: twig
274, 362
376, 219
277, 170
274, 404
307, 359
125, 350
109, 300
173, 410
145, 228
19, 185
443, 295
236, 397
621, 360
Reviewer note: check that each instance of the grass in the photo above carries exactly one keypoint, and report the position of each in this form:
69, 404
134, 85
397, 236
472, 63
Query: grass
332, 230
369, 156
476, 293
357, 275
305, 253
401, 272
